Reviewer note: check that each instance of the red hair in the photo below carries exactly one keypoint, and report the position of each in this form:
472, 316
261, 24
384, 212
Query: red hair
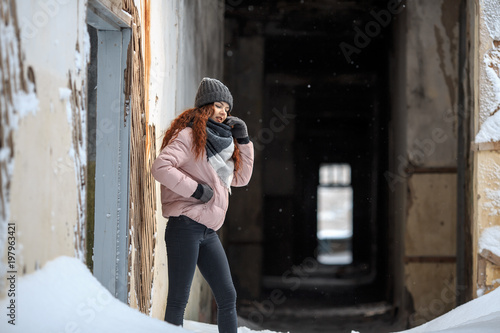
198, 117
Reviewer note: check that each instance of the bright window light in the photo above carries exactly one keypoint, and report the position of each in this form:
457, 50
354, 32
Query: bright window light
334, 214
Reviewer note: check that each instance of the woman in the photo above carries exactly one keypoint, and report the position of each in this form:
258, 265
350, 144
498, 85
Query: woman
204, 152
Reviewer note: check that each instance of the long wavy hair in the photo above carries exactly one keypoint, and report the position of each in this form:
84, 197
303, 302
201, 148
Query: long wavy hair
199, 117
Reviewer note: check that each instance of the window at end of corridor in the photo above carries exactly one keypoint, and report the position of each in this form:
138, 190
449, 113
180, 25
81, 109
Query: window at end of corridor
334, 214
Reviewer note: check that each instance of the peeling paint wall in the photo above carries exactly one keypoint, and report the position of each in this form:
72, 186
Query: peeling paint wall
47, 75
17, 100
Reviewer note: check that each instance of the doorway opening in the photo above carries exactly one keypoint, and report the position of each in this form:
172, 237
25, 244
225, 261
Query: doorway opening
318, 229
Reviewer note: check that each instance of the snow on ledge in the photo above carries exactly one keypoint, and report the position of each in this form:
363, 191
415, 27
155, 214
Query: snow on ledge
490, 240
65, 297
490, 129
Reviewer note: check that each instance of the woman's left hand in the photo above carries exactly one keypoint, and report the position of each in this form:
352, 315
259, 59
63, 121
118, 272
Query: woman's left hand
238, 127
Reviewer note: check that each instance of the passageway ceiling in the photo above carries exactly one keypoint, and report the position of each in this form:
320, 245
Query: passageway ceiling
303, 52
331, 19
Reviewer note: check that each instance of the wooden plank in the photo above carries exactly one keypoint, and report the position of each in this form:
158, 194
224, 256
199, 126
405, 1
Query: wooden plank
142, 184
478, 146
96, 19
481, 272
107, 15
491, 257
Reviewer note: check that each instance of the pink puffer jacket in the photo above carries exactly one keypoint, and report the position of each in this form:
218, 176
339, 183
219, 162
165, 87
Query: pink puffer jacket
179, 173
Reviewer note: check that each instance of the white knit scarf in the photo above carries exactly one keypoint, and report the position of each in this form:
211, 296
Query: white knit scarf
220, 148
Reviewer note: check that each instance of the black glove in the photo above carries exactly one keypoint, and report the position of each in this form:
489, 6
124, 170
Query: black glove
203, 192
238, 129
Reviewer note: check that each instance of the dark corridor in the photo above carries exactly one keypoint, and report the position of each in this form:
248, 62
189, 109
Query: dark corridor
311, 80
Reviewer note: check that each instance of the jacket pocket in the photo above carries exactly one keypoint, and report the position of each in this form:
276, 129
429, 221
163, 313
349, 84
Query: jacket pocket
221, 200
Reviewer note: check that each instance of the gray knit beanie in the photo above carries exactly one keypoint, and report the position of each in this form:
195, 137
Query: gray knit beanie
212, 90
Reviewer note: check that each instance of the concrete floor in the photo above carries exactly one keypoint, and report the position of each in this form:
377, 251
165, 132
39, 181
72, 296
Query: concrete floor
301, 317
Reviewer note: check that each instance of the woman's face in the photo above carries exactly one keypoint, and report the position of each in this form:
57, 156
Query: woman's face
221, 110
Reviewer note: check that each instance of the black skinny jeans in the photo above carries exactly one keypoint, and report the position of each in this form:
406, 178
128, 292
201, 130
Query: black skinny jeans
189, 244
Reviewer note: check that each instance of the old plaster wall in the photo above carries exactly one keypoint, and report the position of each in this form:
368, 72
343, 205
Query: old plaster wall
186, 40
47, 188
14, 88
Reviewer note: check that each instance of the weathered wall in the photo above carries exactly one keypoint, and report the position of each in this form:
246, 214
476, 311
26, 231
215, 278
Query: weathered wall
14, 89
47, 188
432, 42
186, 45
425, 170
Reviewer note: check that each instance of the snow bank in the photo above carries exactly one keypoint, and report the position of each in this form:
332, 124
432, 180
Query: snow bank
479, 315
65, 297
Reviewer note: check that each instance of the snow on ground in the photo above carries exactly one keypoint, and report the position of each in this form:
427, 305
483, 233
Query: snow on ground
479, 315
197, 327
65, 297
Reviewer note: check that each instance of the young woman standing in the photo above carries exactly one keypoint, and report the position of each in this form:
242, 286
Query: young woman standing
204, 152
